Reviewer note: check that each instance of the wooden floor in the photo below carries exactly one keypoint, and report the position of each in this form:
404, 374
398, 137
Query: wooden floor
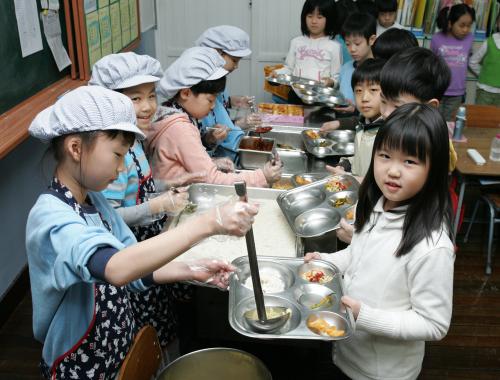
471, 349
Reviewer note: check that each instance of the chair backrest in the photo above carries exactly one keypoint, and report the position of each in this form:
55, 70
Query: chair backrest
479, 116
144, 357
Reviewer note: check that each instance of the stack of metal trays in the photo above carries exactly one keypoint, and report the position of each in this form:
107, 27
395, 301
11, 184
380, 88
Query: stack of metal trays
311, 291
336, 143
312, 92
316, 209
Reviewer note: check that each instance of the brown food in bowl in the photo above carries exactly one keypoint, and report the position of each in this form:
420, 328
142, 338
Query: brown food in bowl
282, 184
257, 144
349, 215
320, 326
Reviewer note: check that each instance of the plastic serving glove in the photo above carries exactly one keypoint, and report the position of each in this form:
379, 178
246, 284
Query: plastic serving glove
211, 272
224, 164
235, 217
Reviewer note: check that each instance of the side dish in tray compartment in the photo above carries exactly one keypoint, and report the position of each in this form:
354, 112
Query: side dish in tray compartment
320, 326
312, 134
335, 185
315, 275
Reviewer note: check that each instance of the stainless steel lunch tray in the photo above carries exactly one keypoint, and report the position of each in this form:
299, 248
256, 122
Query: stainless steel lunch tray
285, 79
255, 159
315, 209
323, 147
298, 294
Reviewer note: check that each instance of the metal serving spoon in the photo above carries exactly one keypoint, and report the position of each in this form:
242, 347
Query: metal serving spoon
259, 320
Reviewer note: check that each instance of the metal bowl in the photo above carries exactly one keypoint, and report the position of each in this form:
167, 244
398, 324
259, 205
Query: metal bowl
313, 296
333, 319
299, 202
316, 222
316, 265
268, 271
247, 304
216, 363
306, 91
306, 178
302, 86
321, 151
344, 199
341, 135
284, 79
344, 148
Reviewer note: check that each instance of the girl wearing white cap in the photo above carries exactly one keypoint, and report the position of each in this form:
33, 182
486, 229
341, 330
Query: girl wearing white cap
191, 85
135, 76
233, 44
83, 259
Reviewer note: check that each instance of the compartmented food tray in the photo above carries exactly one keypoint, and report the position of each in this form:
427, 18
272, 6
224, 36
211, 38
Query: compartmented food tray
310, 92
322, 147
315, 209
311, 291
303, 179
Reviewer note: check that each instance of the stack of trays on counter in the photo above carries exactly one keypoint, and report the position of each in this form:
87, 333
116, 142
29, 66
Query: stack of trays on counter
335, 143
311, 91
311, 291
315, 209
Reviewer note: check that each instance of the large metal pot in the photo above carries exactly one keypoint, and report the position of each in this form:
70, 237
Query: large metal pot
216, 364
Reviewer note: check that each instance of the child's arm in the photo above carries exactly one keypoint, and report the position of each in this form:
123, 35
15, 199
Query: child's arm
430, 282
476, 58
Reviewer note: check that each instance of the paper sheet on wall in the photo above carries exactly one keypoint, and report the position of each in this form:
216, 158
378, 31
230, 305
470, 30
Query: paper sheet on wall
28, 26
52, 31
116, 30
93, 38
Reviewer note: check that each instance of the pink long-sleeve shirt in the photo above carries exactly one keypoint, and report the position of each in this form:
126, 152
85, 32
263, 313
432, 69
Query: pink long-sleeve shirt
174, 145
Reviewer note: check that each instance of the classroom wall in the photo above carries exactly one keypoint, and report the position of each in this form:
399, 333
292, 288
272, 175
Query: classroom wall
20, 184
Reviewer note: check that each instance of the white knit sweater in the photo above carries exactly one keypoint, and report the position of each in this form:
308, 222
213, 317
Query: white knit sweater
405, 300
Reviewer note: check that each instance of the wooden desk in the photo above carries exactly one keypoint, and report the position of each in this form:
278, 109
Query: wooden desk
479, 139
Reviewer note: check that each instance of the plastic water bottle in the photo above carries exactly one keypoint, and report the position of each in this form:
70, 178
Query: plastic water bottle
495, 148
459, 123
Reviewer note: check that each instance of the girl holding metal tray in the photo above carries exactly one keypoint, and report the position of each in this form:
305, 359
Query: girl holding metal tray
398, 270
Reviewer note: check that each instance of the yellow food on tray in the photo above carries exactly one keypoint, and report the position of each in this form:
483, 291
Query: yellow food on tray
302, 181
349, 215
341, 202
282, 184
281, 109
320, 326
312, 134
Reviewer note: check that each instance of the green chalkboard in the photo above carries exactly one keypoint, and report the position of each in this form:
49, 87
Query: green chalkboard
23, 77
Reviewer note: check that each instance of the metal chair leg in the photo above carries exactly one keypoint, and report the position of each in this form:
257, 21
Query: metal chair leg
473, 218
490, 237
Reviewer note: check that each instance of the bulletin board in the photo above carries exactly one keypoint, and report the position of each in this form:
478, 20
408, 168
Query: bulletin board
104, 27
24, 77
90, 30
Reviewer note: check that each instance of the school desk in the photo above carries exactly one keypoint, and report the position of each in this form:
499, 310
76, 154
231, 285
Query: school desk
467, 171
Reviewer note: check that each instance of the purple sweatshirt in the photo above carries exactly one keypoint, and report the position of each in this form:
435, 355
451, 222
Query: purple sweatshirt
456, 54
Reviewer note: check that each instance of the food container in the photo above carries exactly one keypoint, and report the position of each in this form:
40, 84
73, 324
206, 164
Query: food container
311, 291
342, 135
315, 209
286, 137
284, 183
294, 161
321, 147
303, 179
255, 151
216, 363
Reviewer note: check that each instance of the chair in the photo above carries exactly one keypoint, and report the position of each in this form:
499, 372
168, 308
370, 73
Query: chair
493, 202
144, 357
479, 116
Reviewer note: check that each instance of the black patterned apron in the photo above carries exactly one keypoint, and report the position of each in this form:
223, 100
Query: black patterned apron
101, 351
155, 306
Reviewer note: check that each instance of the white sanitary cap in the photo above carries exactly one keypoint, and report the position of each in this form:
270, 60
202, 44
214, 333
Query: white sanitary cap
84, 109
124, 70
230, 39
195, 64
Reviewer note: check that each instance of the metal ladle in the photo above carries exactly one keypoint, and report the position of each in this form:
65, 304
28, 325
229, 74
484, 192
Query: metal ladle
259, 320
